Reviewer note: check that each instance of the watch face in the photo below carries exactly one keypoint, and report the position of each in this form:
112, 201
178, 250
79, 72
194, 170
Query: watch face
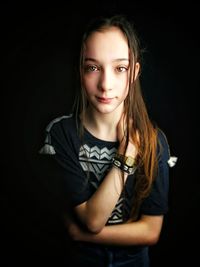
129, 161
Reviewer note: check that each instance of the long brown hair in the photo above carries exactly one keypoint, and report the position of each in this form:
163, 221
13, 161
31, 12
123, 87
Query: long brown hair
135, 108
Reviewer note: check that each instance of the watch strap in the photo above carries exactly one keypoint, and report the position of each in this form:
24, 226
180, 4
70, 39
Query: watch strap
119, 161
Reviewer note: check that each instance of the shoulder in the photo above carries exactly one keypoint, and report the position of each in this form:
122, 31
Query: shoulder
164, 152
59, 122
162, 140
59, 133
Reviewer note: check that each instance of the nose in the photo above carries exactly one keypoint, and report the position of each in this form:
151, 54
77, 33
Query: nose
105, 81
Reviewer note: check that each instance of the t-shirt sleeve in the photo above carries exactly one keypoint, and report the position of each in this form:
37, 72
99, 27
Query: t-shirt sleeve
62, 144
157, 201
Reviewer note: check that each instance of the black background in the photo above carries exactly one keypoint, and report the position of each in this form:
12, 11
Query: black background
39, 54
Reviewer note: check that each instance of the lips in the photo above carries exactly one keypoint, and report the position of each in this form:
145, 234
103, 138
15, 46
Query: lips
105, 100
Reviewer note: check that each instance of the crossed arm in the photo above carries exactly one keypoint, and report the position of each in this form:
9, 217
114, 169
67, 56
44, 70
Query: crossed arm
94, 213
145, 231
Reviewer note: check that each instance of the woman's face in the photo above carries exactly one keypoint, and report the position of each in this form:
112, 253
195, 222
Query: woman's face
105, 74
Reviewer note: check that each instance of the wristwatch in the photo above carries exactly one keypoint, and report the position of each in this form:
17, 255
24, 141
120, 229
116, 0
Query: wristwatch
129, 161
125, 163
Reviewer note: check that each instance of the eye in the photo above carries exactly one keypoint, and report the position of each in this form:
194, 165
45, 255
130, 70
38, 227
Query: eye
91, 68
122, 69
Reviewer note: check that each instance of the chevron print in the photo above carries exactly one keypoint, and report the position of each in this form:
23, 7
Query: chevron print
116, 216
95, 169
96, 160
96, 152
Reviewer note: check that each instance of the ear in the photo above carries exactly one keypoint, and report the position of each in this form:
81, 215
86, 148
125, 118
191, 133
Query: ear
137, 69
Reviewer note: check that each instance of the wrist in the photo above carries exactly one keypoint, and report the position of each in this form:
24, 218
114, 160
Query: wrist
126, 164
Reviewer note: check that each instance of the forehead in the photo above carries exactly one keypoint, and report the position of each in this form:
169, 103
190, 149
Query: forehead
110, 43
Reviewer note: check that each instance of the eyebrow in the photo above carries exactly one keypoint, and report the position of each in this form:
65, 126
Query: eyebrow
114, 60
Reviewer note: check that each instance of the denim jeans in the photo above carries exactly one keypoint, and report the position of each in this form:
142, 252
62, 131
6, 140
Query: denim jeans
91, 255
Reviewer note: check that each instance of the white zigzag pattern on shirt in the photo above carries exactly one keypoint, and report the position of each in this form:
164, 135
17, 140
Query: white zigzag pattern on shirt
97, 169
116, 215
96, 152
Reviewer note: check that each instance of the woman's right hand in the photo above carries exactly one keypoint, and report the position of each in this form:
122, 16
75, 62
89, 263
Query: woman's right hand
131, 149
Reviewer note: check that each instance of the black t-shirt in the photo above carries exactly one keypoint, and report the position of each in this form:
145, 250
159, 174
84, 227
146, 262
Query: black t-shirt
85, 162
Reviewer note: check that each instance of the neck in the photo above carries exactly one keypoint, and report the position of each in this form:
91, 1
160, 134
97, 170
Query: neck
102, 126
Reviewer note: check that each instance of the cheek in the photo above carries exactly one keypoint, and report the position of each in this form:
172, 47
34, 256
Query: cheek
124, 84
124, 88
89, 82
88, 85
125, 93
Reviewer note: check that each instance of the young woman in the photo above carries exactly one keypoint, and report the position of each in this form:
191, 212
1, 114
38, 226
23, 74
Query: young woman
115, 161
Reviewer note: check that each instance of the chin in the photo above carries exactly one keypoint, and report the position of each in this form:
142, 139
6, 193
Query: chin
105, 110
